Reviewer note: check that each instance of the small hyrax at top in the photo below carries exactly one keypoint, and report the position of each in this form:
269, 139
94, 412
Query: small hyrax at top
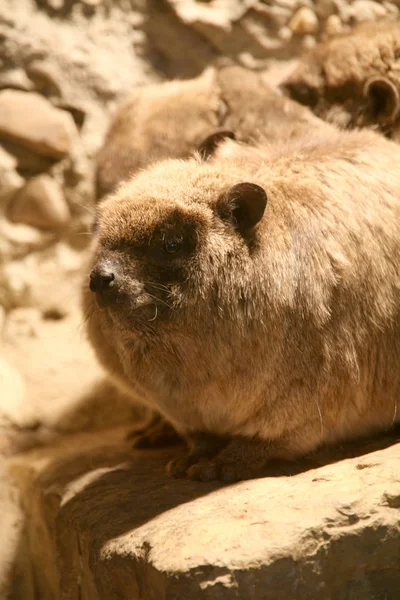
254, 298
353, 80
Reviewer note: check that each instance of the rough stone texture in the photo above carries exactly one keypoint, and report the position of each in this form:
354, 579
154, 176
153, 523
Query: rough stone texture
10, 181
12, 529
40, 203
105, 523
304, 21
65, 387
32, 121
13, 395
333, 26
366, 10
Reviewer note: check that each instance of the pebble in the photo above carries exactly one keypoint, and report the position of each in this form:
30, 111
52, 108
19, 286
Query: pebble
40, 203
12, 395
308, 42
293, 4
46, 77
31, 120
325, 8
15, 285
56, 4
333, 25
16, 79
367, 10
10, 180
23, 322
285, 34
304, 21
391, 9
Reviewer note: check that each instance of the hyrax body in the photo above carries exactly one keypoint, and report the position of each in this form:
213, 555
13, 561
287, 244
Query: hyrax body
353, 80
171, 119
254, 299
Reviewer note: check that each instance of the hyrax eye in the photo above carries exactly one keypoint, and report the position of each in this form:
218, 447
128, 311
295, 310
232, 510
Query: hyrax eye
172, 245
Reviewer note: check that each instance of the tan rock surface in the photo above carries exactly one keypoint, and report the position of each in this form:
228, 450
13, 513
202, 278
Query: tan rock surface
13, 396
367, 10
40, 203
32, 121
10, 181
105, 523
13, 568
65, 387
304, 21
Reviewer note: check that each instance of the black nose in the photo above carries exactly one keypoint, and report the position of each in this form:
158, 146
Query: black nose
101, 279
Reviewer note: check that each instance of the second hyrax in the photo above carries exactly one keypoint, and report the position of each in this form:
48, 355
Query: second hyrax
172, 119
254, 299
353, 80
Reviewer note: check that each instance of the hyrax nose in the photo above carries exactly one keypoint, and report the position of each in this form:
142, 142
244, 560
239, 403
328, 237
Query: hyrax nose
101, 279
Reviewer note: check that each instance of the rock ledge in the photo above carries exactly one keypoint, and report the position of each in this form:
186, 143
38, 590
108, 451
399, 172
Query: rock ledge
106, 523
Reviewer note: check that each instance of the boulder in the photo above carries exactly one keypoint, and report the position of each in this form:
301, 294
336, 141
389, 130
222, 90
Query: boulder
65, 385
105, 522
304, 21
14, 410
40, 203
30, 120
10, 180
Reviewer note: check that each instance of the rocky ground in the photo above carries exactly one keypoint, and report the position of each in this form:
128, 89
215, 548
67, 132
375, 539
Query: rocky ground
82, 516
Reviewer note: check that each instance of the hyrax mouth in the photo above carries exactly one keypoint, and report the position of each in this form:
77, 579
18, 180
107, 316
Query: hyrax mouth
107, 283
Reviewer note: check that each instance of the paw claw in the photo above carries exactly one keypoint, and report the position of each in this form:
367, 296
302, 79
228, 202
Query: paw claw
203, 471
177, 468
228, 474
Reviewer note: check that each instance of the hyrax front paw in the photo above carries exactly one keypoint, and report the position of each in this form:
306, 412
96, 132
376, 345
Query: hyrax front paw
214, 470
203, 447
241, 458
206, 470
158, 434
178, 467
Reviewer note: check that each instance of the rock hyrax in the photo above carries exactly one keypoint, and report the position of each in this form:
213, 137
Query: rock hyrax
254, 299
171, 120
353, 80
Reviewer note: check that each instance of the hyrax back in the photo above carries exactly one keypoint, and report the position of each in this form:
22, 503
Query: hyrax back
172, 119
353, 80
154, 120
254, 299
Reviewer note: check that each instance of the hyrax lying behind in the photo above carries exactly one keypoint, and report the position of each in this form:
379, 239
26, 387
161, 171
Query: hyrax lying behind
254, 299
172, 119
353, 80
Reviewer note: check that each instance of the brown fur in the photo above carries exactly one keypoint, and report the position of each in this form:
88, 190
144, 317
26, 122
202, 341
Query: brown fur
334, 79
280, 337
170, 120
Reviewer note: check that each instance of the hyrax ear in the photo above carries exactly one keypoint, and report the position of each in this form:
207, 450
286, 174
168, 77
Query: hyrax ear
243, 204
383, 98
211, 143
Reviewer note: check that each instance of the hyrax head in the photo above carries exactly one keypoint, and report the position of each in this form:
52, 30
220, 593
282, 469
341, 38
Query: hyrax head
174, 240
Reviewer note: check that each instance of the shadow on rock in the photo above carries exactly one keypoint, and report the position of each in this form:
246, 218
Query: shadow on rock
92, 506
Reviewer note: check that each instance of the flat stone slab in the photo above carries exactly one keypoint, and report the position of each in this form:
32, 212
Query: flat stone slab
105, 522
